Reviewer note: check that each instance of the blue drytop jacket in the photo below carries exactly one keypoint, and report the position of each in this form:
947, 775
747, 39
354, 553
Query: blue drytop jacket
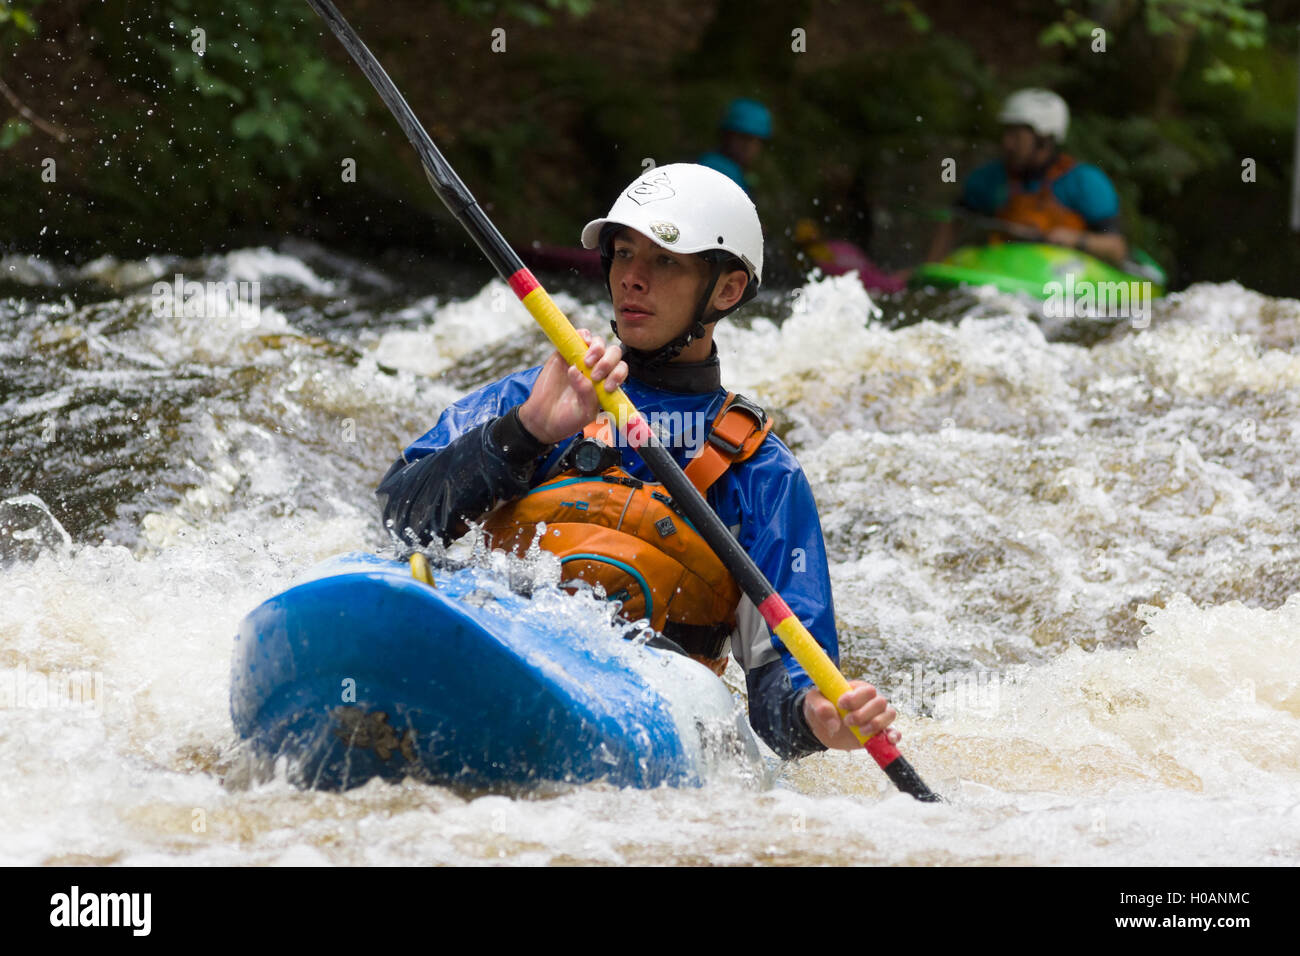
477, 456
1083, 188
727, 166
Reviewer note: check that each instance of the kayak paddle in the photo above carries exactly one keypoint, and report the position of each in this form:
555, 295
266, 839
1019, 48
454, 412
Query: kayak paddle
454, 194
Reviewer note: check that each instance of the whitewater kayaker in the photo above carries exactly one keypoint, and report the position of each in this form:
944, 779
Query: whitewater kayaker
745, 127
682, 247
1039, 188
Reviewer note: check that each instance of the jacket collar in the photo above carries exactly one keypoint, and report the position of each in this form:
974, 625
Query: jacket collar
688, 377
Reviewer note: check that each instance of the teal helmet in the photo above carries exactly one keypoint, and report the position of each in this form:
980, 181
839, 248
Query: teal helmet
750, 117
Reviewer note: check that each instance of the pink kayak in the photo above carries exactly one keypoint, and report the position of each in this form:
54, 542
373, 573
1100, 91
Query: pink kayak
584, 262
835, 257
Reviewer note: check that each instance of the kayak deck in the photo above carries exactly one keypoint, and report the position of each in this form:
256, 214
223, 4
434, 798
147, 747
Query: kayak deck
362, 671
1031, 268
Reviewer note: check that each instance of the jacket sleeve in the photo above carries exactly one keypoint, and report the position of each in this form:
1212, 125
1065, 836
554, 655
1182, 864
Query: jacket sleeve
776, 711
432, 496
476, 455
1090, 192
985, 189
780, 529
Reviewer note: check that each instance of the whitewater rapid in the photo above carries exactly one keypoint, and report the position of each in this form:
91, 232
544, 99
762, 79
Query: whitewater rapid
1074, 568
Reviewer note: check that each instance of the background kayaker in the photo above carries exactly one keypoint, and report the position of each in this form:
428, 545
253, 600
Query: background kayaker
682, 247
836, 257
1040, 188
745, 127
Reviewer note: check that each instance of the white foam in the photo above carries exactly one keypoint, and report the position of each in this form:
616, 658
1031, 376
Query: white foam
993, 501
27, 270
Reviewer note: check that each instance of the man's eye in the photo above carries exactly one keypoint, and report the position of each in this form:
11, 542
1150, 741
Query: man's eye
667, 261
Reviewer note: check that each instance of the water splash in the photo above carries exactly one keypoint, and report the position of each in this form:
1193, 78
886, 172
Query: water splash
995, 502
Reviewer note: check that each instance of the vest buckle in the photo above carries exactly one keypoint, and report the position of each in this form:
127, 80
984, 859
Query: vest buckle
753, 409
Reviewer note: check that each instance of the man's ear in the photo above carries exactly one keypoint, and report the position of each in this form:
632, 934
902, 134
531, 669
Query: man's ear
730, 289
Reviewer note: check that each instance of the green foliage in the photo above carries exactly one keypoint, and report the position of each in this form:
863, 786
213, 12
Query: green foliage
237, 102
16, 25
13, 130
531, 13
1231, 20
250, 134
1068, 31
1231, 100
1261, 97
918, 21
16, 18
264, 57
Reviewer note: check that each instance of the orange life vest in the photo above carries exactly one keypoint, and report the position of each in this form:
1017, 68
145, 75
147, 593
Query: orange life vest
1041, 209
628, 536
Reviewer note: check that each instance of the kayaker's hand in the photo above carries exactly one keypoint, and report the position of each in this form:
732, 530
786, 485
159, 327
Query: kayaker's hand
863, 707
562, 400
1063, 236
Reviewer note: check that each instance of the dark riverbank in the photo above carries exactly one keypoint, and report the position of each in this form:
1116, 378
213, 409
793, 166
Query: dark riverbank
256, 138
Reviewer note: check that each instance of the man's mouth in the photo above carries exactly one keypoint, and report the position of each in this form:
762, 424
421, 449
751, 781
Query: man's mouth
630, 311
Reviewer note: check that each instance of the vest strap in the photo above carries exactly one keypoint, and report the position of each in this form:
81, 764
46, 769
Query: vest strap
740, 427
1040, 209
1063, 163
705, 641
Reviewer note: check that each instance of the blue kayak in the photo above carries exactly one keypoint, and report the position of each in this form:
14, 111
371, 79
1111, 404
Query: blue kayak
361, 671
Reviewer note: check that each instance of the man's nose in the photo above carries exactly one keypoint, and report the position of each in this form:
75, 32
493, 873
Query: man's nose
634, 275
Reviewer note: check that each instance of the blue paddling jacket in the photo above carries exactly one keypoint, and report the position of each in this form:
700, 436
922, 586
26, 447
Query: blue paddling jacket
477, 456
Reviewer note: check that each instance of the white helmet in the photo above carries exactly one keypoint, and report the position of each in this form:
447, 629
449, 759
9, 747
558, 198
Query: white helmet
688, 208
1041, 110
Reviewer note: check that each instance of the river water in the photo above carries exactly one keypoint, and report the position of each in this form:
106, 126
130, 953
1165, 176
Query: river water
1071, 560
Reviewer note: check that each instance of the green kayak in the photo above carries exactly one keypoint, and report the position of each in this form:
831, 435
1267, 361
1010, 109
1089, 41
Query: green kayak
1042, 271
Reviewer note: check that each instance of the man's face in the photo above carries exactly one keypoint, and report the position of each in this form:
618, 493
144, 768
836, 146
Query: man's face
742, 147
655, 291
1020, 148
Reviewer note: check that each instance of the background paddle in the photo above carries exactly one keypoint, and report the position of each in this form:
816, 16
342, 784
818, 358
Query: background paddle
639, 435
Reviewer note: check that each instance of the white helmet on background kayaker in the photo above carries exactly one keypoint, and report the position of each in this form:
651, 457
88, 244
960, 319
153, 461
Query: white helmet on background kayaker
688, 209
1041, 110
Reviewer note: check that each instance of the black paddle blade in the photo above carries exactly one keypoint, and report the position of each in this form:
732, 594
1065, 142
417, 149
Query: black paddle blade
906, 779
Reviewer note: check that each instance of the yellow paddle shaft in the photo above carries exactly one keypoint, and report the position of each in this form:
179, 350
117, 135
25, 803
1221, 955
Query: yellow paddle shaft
566, 340
812, 657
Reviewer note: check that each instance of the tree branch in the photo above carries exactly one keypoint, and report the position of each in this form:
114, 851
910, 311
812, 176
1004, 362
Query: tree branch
60, 134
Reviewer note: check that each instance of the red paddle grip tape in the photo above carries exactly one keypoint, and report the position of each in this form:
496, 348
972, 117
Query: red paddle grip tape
523, 282
638, 432
774, 610
882, 750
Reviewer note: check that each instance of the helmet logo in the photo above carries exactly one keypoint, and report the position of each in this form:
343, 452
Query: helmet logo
665, 231
651, 188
